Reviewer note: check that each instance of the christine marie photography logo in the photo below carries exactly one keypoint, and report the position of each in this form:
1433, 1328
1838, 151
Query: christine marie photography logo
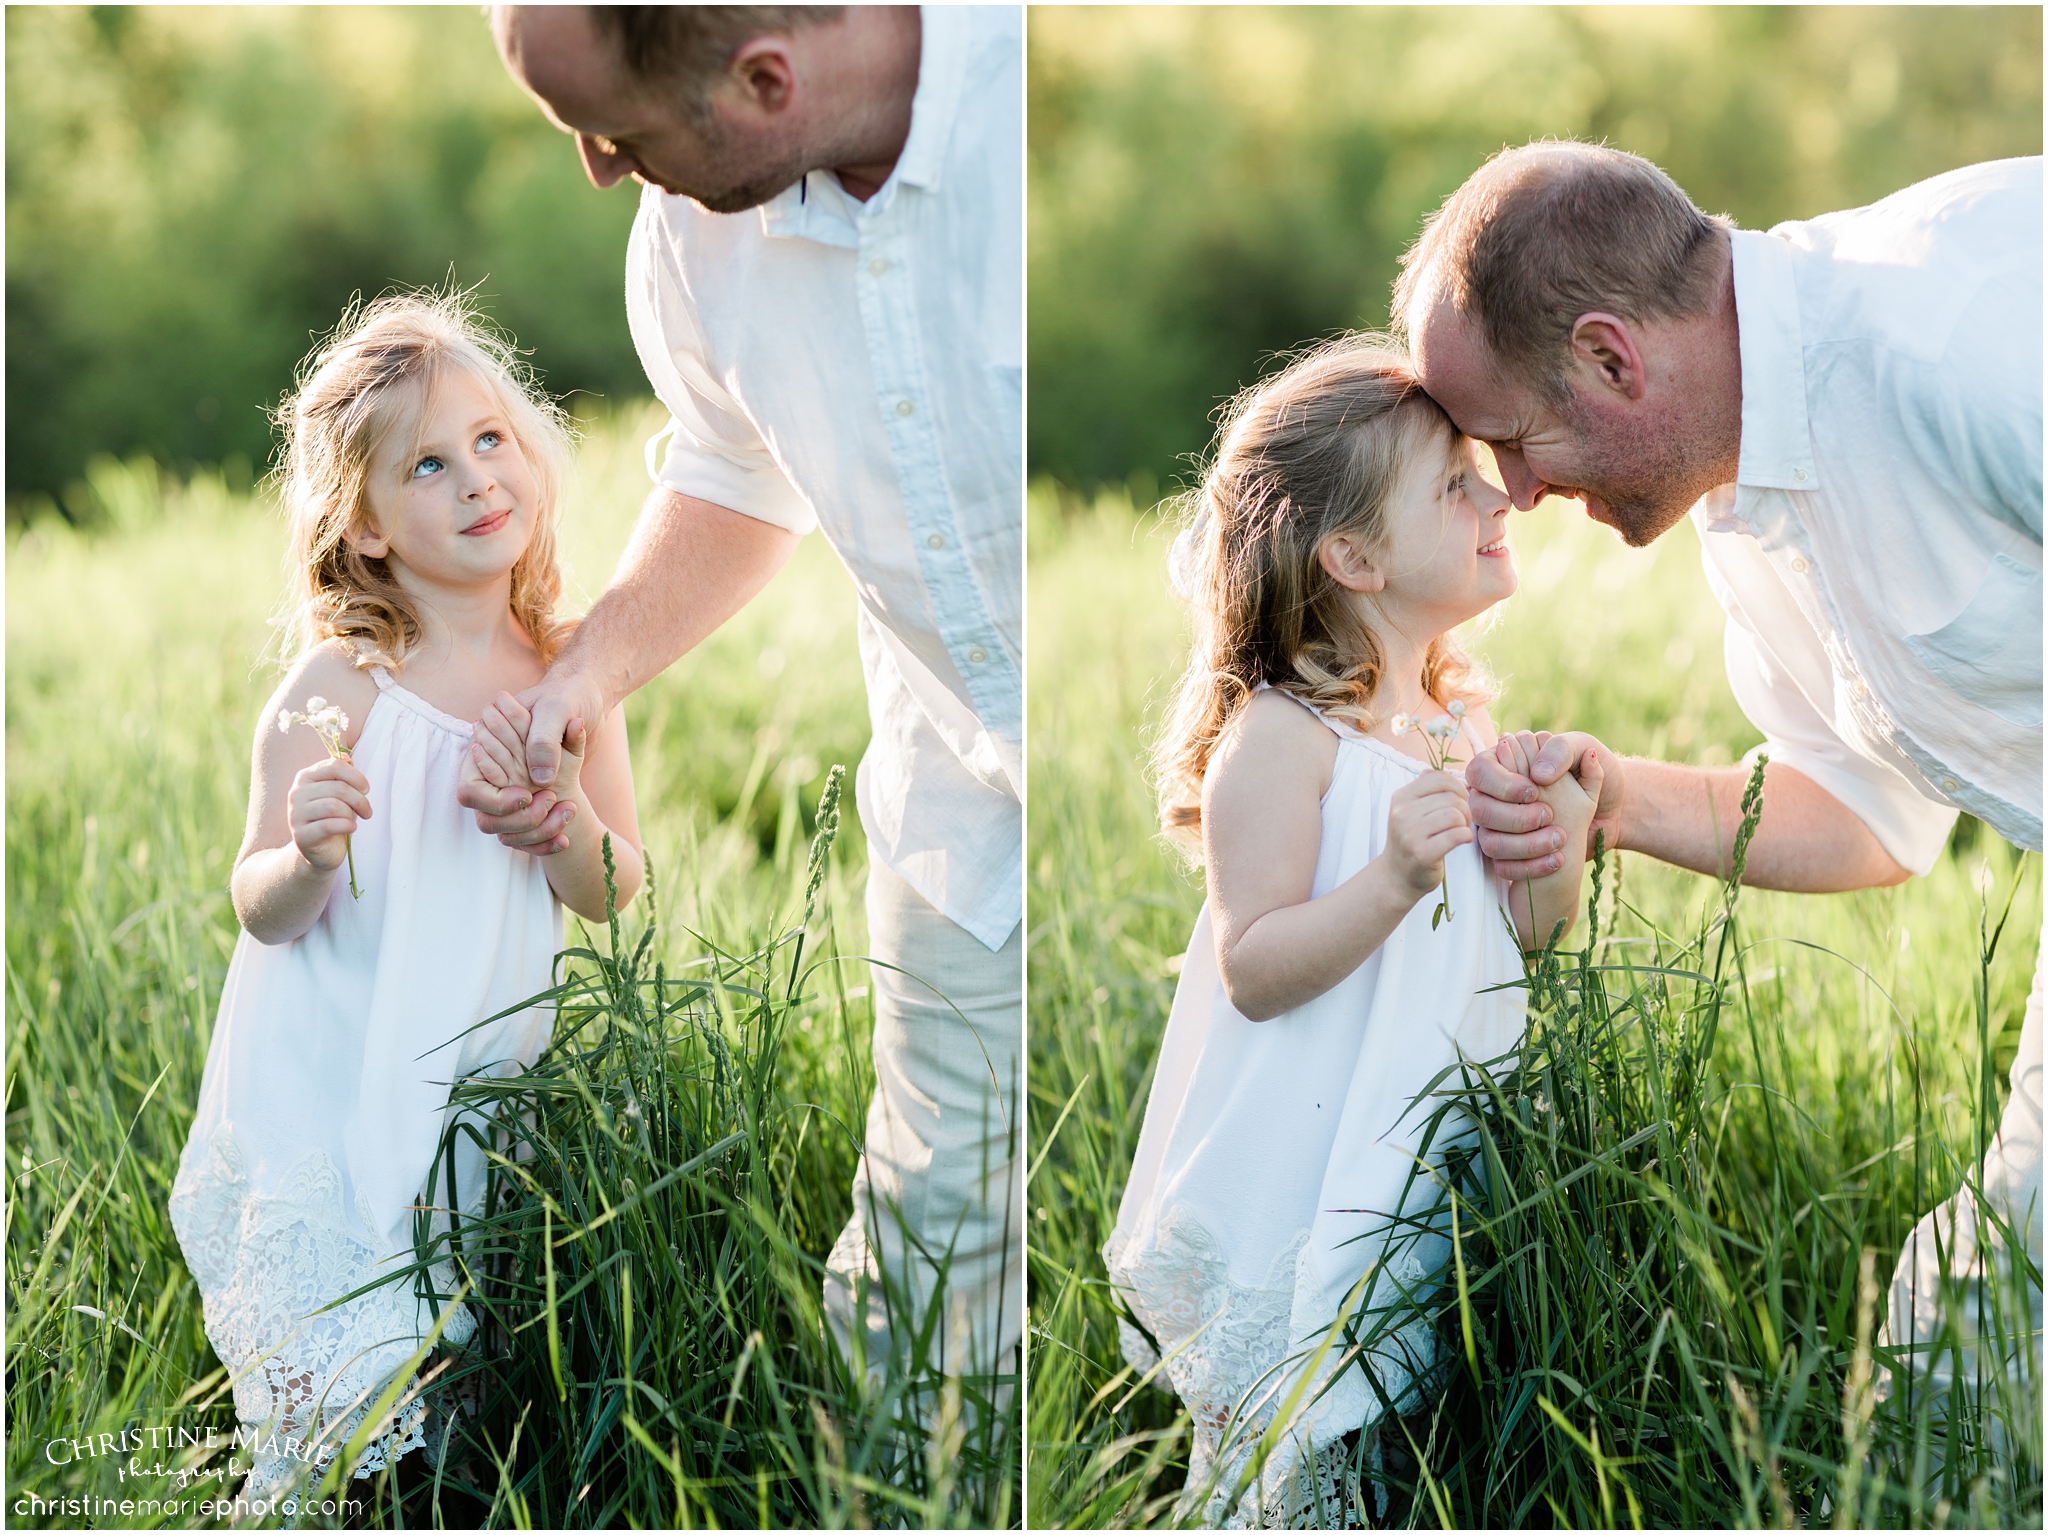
170, 1469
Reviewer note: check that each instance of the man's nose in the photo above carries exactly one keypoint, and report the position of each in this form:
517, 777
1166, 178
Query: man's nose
604, 170
1524, 489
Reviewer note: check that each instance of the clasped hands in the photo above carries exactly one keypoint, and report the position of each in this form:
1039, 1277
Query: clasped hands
521, 778
522, 774
1513, 824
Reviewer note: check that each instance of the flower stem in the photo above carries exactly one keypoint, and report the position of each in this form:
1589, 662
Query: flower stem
348, 846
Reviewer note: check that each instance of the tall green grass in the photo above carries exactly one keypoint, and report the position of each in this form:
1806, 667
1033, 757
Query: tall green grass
668, 1177
1683, 1198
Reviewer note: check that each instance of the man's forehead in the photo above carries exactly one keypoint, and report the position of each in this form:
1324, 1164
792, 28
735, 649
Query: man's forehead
1451, 360
558, 55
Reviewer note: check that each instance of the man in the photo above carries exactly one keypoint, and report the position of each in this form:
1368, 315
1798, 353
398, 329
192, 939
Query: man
1850, 407
825, 288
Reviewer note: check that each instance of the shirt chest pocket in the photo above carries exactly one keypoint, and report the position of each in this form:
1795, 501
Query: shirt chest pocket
1990, 653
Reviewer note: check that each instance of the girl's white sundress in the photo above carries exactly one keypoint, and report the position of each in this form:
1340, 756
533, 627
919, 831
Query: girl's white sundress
1274, 1156
326, 1094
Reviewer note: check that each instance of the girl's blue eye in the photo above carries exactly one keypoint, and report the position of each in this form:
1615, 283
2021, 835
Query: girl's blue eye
489, 440
426, 466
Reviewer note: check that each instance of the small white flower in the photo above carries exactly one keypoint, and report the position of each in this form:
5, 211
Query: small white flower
327, 722
1443, 727
1402, 724
1457, 708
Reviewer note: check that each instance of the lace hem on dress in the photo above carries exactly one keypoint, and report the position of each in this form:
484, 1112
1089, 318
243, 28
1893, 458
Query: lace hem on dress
265, 1266
1237, 1357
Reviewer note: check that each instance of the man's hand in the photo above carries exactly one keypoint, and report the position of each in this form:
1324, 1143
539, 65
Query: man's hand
511, 798
1515, 828
688, 567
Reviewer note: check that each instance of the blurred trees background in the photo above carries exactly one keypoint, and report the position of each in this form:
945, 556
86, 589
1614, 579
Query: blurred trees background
1209, 186
194, 193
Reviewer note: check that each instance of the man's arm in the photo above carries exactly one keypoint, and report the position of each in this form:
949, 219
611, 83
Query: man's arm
689, 566
1807, 840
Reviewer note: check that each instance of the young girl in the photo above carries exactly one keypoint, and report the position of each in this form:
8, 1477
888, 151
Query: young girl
421, 478
1277, 1202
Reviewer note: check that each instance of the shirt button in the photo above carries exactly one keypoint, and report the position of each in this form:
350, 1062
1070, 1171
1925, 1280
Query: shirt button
1798, 565
904, 407
1859, 689
1949, 786
1800, 475
936, 541
878, 266
976, 656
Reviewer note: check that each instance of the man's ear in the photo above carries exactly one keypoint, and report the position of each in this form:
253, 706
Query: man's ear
1604, 350
1350, 564
764, 73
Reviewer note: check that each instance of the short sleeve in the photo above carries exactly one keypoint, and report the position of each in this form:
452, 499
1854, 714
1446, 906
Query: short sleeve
714, 453
1910, 827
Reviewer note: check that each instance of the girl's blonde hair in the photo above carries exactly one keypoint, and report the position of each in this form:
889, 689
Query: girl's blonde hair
348, 401
1314, 451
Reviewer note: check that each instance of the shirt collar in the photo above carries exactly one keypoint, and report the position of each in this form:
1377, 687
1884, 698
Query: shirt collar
941, 72
818, 208
1777, 448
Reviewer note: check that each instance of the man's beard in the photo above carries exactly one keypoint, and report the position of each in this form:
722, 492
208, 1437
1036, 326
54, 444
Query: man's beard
1641, 521
757, 188
1649, 482
749, 194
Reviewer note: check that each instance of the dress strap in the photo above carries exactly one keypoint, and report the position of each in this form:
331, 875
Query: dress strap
1337, 728
385, 683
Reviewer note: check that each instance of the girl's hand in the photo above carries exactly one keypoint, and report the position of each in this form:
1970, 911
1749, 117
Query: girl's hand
1427, 819
325, 802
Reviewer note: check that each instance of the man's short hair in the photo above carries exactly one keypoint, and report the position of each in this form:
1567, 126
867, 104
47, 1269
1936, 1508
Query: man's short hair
685, 48
1540, 235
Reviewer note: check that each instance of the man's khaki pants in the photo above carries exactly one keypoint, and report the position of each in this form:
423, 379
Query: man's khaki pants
938, 1198
1958, 1266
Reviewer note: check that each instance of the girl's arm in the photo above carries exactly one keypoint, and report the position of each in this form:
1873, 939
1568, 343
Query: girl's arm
596, 782
302, 803
1538, 905
1262, 822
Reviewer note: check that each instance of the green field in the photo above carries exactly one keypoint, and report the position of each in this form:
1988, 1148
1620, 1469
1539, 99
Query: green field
1670, 1332
663, 1364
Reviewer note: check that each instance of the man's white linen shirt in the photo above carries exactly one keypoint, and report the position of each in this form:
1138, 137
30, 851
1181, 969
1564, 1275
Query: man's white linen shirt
1879, 554
858, 367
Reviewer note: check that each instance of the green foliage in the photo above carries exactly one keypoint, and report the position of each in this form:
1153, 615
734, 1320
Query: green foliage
1212, 186
135, 671
1698, 1174
648, 1255
193, 193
